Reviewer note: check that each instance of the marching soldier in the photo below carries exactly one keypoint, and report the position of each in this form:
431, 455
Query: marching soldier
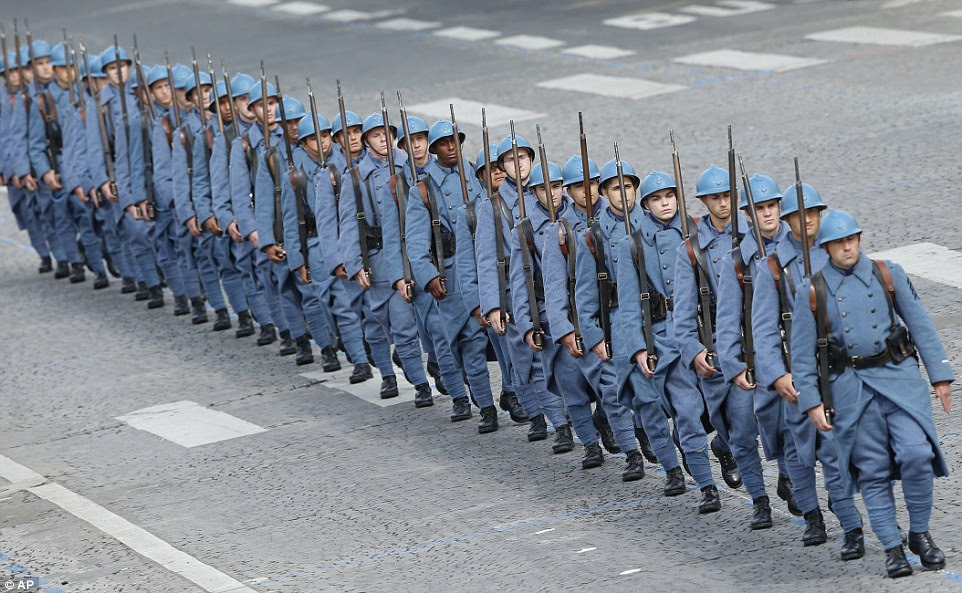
857, 341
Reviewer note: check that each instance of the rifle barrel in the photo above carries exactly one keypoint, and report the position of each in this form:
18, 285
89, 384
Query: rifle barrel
802, 223
680, 191
519, 186
624, 194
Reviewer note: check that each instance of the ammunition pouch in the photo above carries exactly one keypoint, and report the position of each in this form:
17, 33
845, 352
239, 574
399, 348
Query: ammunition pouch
372, 236
898, 347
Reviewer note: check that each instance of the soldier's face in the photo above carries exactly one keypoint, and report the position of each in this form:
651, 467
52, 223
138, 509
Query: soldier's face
225, 112
446, 150
310, 145
161, 92
497, 176
204, 94
242, 108
354, 139
258, 110
292, 125
113, 73
63, 75
44, 69
377, 141
557, 193
182, 102
612, 191
419, 146
814, 217
663, 204
577, 193
767, 214
14, 77
26, 75
844, 251
719, 205
524, 164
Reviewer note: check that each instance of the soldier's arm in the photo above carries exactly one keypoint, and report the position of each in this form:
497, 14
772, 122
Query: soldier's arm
587, 295
348, 244
630, 338
554, 270
684, 320
465, 263
728, 334
766, 310
911, 309
418, 224
37, 141
200, 193
804, 370
520, 309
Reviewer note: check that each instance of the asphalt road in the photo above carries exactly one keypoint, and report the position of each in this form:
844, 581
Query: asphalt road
337, 494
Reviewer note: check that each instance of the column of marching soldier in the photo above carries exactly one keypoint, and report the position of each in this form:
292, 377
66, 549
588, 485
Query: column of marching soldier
594, 288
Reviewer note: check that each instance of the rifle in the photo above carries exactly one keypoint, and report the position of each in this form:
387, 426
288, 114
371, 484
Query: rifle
399, 196
497, 208
271, 159
70, 71
81, 96
470, 216
703, 314
147, 116
230, 105
47, 108
525, 232
102, 125
3, 44
595, 241
213, 81
803, 223
122, 88
543, 157
743, 270
143, 97
201, 108
356, 182
317, 132
298, 180
566, 239
637, 247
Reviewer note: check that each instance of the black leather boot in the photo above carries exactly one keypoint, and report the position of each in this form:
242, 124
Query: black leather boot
245, 325
634, 467
563, 440
287, 344
329, 361
46, 265
853, 547
509, 403
389, 387
461, 409
710, 500
77, 273
223, 320
435, 372
181, 305
675, 482
896, 564
761, 513
304, 353
538, 429
929, 554
784, 491
200, 311
101, 281
645, 445
489, 420
423, 398
362, 372
814, 528
142, 294
593, 457
729, 469
63, 270
268, 335
607, 437
156, 297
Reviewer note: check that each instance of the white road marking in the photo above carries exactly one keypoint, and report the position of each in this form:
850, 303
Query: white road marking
530, 42
649, 20
955, 13
880, 36
927, 260
370, 390
610, 86
403, 24
583, 550
137, 539
301, 8
467, 33
727, 8
189, 424
349, 15
253, 3
469, 112
629, 571
901, 3
598, 52
544, 531
745, 60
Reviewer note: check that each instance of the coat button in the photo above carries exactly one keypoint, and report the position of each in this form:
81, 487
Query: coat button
873, 310
840, 299
714, 260
848, 329
870, 294
664, 267
874, 325
850, 346
662, 251
844, 313
667, 281
877, 342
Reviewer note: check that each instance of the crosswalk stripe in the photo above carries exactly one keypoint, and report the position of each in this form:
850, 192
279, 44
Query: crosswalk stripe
469, 112
189, 424
745, 60
927, 260
955, 13
649, 20
611, 86
405, 24
598, 52
301, 8
467, 33
531, 42
253, 3
725, 8
880, 36
349, 15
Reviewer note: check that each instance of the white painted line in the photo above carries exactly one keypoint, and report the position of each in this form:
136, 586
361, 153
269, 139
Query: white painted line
879, 36
469, 112
403, 24
189, 424
347, 16
598, 52
370, 390
530, 42
629, 571
727, 8
301, 8
583, 550
550, 529
901, 3
467, 33
927, 260
610, 86
955, 13
253, 3
144, 543
649, 20
744, 60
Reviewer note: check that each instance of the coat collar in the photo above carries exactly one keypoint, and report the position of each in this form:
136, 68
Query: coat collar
708, 233
862, 271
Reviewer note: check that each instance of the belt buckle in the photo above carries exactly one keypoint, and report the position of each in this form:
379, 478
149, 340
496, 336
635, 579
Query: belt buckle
854, 361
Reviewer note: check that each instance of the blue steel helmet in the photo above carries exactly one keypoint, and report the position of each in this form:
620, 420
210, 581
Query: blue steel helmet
574, 172
713, 180
764, 189
192, 82
24, 56
133, 79
11, 61
109, 56
241, 84
95, 70
416, 125
156, 74
215, 97
305, 129
504, 147
442, 129
809, 196
373, 122
41, 49
293, 109
837, 224
537, 175
353, 120
609, 171
58, 56
181, 74
3, 65
256, 91
479, 163
657, 181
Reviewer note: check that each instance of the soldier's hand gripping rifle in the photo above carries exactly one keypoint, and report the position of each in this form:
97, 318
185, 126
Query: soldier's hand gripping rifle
298, 180
595, 240
699, 267
470, 216
400, 195
497, 208
525, 239
356, 183
637, 247
48, 111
